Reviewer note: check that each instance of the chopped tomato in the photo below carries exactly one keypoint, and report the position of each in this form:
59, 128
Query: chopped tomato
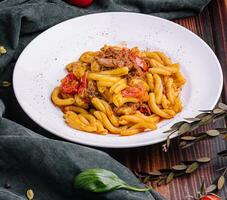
144, 109
69, 85
210, 197
141, 63
136, 92
72, 85
83, 83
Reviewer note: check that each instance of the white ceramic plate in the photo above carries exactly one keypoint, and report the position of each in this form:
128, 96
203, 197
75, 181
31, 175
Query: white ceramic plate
42, 64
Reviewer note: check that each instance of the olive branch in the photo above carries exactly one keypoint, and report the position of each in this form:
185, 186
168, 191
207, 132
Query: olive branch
191, 124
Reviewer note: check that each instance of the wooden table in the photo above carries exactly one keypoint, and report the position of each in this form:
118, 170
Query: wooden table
211, 26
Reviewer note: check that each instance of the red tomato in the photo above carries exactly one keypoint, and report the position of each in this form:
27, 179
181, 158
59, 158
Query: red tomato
80, 3
69, 85
144, 109
210, 197
141, 63
136, 92
83, 83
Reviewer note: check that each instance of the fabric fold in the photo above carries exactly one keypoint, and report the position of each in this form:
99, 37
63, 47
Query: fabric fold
48, 167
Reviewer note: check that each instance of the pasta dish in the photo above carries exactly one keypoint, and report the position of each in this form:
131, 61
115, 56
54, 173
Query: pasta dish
119, 90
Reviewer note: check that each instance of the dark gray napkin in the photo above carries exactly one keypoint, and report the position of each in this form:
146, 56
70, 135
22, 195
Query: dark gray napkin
29, 160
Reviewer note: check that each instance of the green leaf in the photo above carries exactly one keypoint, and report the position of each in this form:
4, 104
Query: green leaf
221, 182
202, 188
192, 119
170, 130
195, 125
168, 142
191, 168
201, 115
206, 111
222, 106
101, 180
185, 127
219, 116
186, 144
177, 125
188, 138
218, 111
146, 179
203, 160
211, 188
179, 167
170, 177
155, 173
161, 181
213, 133
207, 119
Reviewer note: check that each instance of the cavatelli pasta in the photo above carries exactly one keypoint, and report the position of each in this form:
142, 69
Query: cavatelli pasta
119, 90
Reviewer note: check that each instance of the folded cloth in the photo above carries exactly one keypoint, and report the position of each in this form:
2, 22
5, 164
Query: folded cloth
29, 160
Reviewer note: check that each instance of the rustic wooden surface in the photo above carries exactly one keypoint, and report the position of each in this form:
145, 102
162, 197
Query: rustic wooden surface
211, 26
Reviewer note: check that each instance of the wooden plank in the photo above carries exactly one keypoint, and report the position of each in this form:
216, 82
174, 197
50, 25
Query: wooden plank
219, 20
210, 26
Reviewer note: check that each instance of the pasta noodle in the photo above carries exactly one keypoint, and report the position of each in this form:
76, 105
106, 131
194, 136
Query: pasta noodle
158, 89
119, 90
58, 101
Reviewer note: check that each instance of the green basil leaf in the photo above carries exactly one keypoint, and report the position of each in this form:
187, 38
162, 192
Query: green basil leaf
101, 180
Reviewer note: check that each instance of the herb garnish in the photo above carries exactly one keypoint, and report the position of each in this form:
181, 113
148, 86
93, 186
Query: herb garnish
190, 124
101, 180
165, 176
187, 141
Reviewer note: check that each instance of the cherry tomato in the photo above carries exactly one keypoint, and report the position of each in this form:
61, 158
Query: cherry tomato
210, 197
80, 3
136, 92
69, 85
141, 63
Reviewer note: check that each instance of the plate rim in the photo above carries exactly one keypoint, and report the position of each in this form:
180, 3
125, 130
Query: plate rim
129, 145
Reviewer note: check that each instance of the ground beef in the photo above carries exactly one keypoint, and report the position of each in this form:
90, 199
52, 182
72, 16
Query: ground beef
116, 57
90, 92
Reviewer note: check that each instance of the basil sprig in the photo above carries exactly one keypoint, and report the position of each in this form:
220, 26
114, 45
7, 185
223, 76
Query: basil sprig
101, 180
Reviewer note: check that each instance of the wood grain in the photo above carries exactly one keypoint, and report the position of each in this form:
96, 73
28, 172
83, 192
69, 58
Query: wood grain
210, 25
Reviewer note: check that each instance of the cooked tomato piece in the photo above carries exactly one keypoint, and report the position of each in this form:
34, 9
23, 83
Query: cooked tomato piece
83, 83
144, 109
136, 92
69, 85
141, 63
